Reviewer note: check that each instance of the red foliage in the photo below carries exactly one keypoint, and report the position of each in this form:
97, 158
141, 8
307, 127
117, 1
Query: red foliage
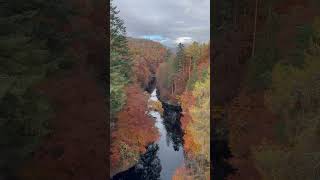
147, 56
133, 127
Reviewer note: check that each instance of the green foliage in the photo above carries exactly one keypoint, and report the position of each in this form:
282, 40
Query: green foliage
170, 72
292, 162
193, 79
304, 32
120, 70
295, 96
199, 127
32, 47
24, 121
195, 51
180, 58
266, 56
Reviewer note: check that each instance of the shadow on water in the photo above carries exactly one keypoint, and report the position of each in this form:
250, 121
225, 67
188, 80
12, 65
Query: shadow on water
147, 168
171, 116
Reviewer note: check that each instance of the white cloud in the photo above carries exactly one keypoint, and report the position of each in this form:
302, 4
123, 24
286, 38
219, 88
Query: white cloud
183, 40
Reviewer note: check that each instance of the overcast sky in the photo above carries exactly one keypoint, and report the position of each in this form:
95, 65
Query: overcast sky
166, 21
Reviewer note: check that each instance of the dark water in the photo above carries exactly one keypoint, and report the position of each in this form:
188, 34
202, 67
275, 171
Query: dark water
148, 167
164, 156
220, 151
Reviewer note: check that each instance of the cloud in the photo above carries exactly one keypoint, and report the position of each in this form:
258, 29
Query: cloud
167, 19
180, 22
153, 37
183, 40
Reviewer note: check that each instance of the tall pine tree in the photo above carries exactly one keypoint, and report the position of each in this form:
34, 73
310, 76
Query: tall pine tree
120, 70
180, 58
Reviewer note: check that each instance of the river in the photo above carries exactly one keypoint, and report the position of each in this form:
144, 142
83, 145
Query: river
170, 156
164, 156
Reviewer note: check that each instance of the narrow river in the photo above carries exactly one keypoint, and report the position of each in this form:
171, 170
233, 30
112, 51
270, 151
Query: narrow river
170, 154
164, 156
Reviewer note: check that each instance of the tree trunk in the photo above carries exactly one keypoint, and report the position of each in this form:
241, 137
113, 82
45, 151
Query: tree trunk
235, 12
189, 69
255, 29
173, 87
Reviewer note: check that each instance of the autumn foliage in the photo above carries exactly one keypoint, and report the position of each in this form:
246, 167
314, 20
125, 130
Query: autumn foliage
182, 173
195, 122
179, 72
134, 130
273, 117
133, 64
146, 57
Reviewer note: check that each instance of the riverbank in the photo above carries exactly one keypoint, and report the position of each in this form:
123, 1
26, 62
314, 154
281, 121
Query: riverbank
133, 131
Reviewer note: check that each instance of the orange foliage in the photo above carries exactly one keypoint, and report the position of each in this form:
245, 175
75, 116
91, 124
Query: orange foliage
187, 100
147, 56
134, 130
182, 174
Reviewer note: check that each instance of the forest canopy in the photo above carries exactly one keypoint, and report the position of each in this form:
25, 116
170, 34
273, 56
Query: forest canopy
33, 46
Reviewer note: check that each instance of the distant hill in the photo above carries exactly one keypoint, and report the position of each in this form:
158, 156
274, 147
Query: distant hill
147, 56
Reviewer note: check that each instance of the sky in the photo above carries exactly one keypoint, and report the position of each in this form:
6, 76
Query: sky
166, 21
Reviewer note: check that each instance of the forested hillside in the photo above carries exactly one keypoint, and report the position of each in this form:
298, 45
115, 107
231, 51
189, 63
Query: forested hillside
147, 56
269, 104
132, 68
44, 107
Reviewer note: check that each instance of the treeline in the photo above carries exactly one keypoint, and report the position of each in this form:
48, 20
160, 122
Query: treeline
33, 46
184, 78
179, 71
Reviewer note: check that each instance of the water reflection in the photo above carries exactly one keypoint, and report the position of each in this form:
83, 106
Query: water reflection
148, 167
172, 124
